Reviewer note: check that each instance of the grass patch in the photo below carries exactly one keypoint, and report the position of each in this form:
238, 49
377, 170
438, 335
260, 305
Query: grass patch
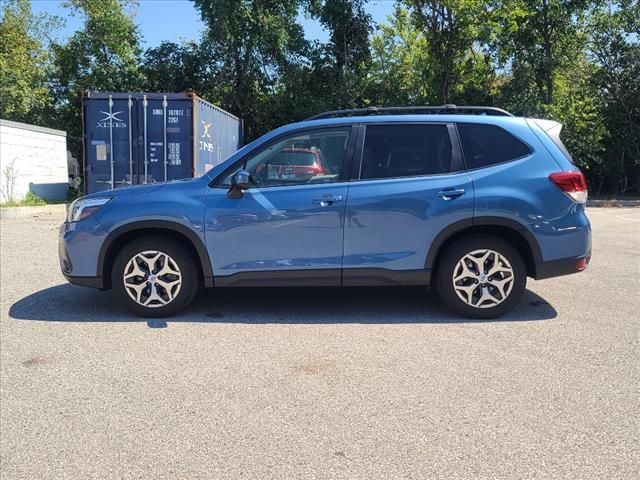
30, 200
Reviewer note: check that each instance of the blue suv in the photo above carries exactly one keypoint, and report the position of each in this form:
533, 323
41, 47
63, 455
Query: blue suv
470, 200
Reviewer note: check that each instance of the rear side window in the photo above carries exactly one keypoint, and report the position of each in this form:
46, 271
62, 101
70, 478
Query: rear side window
405, 151
485, 145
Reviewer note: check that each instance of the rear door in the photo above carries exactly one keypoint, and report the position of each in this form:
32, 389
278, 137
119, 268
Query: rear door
411, 184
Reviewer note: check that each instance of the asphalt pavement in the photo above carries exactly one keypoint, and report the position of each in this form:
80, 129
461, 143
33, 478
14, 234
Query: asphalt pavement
379, 383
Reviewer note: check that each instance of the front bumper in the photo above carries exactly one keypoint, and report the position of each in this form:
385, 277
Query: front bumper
93, 282
78, 250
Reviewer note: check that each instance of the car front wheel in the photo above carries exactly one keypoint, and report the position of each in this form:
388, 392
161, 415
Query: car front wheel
481, 277
154, 277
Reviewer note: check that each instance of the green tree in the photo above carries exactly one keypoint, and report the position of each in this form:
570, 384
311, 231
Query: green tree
24, 63
103, 55
615, 52
453, 30
415, 60
349, 26
579, 107
341, 65
173, 67
399, 58
538, 38
250, 43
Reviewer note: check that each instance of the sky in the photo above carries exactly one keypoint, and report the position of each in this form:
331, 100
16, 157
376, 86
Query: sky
173, 20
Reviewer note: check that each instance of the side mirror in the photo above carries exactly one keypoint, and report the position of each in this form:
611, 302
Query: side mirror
239, 181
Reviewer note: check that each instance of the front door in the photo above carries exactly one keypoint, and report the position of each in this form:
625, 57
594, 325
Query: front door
287, 228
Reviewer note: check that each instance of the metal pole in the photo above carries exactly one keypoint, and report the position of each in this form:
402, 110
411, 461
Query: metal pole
130, 145
111, 140
85, 161
164, 143
144, 104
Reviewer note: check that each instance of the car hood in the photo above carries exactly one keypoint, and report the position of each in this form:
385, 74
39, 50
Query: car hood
138, 189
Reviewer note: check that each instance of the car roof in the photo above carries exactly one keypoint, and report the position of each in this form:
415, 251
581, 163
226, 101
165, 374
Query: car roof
415, 118
507, 122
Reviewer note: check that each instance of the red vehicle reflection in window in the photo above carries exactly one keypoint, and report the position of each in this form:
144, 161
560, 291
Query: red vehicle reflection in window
294, 163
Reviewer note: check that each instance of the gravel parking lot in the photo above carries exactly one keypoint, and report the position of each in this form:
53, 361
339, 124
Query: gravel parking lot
320, 383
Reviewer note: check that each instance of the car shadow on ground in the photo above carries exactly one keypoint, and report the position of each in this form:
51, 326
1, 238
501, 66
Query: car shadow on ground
373, 305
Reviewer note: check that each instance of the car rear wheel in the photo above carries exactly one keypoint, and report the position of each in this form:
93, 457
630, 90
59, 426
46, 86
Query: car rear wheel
481, 277
154, 277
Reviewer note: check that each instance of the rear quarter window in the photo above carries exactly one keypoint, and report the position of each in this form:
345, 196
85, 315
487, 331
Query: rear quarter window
485, 145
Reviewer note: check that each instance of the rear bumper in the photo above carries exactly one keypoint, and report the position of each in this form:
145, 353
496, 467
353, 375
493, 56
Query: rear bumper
565, 266
565, 244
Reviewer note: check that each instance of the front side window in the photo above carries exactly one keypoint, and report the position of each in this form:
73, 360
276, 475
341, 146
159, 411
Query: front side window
485, 145
303, 158
405, 151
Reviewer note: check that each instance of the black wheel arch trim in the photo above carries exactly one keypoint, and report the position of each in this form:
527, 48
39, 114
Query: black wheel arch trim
196, 241
488, 221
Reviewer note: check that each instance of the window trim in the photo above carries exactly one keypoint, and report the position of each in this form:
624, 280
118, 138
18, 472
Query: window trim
466, 165
343, 176
457, 161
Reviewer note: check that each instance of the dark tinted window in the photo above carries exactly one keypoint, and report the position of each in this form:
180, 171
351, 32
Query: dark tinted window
486, 145
405, 151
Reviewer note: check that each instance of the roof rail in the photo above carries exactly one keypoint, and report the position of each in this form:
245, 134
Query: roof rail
426, 109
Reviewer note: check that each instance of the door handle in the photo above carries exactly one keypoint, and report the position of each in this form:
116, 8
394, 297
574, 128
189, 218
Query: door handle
327, 200
450, 194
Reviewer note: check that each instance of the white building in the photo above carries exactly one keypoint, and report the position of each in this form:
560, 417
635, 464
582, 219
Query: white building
32, 159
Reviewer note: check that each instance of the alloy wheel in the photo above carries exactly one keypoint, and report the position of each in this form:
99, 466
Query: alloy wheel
152, 278
483, 278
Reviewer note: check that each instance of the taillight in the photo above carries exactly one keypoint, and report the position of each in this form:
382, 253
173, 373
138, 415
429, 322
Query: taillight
571, 183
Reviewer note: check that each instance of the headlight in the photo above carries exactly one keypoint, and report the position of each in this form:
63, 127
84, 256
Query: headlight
83, 207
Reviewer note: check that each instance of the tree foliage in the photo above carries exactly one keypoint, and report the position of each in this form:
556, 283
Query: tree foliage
250, 44
175, 67
615, 52
451, 29
104, 55
575, 61
349, 26
539, 38
24, 62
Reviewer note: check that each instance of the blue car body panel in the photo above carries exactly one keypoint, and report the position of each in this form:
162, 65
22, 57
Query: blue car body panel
179, 203
378, 228
390, 223
276, 229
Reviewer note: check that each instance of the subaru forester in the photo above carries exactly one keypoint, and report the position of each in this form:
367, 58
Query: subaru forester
467, 200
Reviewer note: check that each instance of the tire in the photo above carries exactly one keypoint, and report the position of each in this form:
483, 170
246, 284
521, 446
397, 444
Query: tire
480, 295
174, 289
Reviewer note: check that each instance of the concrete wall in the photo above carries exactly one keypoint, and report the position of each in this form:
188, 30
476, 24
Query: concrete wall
35, 159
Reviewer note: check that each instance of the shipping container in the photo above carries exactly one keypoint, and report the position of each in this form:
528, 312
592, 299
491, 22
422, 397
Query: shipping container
137, 138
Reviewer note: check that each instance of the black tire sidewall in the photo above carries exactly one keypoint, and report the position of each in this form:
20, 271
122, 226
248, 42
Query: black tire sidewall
451, 258
182, 258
